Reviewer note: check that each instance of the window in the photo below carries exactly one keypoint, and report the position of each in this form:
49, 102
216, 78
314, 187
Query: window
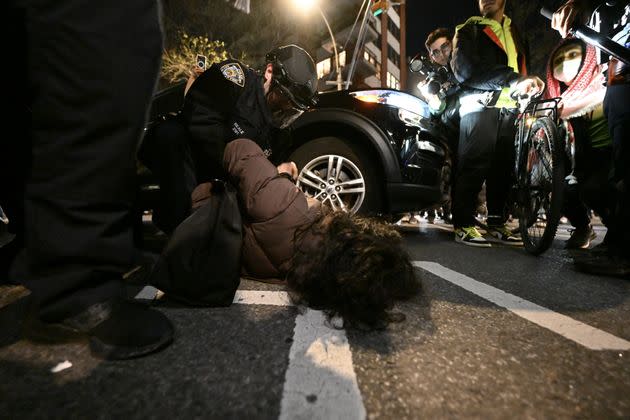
342, 58
393, 56
323, 68
371, 58
392, 82
395, 30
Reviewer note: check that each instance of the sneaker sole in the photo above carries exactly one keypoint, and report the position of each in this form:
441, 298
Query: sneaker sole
477, 245
492, 238
584, 246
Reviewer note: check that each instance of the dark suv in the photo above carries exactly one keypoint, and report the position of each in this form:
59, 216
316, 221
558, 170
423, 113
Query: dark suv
363, 151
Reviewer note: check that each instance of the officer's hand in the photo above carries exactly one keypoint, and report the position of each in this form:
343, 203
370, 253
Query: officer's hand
289, 168
196, 71
529, 86
564, 17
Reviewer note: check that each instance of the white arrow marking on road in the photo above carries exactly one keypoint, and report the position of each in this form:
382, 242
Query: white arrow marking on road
590, 337
320, 382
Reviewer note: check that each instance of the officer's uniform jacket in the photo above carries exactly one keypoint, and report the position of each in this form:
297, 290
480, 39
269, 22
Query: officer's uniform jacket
225, 103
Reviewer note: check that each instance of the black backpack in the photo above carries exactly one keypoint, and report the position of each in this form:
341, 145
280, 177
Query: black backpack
201, 262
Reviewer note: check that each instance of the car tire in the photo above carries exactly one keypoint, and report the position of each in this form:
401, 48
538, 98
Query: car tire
355, 164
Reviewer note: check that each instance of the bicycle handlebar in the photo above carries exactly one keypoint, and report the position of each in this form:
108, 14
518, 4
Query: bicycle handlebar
596, 39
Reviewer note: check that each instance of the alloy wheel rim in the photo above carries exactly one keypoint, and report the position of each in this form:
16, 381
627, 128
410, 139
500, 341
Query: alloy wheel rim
335, 181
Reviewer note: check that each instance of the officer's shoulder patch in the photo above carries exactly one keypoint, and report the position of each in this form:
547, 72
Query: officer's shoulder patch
234, 73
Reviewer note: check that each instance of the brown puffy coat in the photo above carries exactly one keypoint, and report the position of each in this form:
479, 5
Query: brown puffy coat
273, 209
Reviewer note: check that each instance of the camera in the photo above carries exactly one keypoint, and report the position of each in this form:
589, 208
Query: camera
201, 61
437, 78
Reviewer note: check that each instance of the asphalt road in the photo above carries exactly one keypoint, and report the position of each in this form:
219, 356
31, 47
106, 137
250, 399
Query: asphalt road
458, 354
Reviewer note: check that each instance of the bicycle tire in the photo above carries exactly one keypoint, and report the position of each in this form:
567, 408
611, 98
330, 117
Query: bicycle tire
542, 193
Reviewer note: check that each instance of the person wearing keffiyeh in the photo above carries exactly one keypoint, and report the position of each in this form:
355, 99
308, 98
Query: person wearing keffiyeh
610, 18
574, 76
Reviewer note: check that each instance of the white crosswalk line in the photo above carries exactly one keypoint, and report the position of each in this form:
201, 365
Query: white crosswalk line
590, 337
262, 297
320, 382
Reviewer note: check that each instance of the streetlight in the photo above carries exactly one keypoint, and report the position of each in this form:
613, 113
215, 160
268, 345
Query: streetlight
306, 4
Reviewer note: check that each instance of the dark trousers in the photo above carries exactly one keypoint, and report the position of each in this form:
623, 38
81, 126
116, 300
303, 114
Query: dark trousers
166, 152
91, 68
485, 153
594, 189
617, 110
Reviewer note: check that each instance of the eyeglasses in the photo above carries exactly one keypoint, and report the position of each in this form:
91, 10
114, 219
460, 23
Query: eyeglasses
443, 50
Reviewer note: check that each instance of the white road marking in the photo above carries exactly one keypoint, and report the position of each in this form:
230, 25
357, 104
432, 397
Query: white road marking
262, 297
147, 293
590, 337
320, 382
61, 366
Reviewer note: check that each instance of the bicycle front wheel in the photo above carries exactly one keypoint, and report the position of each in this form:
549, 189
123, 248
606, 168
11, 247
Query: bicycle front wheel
541, 185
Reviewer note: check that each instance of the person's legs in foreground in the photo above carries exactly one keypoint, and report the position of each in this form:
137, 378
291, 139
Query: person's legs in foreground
616, 261
476, 145
577, 213
92, 70
500, 179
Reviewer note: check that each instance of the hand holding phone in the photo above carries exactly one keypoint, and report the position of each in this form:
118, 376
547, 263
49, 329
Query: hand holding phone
201, 61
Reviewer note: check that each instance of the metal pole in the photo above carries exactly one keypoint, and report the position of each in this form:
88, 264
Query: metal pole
339, 79
403, 45
384, 49
357, 46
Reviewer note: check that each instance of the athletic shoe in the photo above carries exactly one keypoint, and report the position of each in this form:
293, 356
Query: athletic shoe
504, 235
470, 236
581, 238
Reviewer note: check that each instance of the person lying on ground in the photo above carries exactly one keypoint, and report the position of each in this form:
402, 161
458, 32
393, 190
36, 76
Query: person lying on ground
344, 264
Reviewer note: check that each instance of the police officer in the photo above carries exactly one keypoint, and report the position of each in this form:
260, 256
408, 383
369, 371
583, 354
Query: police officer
226, 102
78, 114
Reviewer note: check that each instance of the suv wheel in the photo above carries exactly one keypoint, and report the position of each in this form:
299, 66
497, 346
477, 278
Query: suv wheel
335, 173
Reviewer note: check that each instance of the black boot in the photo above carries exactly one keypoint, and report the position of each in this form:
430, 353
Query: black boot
116, 330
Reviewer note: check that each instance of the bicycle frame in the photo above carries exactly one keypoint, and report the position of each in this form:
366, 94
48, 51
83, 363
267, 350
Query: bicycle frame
528, 112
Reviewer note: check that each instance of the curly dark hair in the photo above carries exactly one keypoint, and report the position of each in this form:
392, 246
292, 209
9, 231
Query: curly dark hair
351, 266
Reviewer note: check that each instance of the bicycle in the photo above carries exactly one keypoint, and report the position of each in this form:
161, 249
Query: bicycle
539, 172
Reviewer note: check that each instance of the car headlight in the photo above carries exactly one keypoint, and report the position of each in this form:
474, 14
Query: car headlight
410, 109
409, 118
427, 145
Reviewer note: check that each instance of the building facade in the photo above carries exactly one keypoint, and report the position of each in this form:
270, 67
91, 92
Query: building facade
381, 58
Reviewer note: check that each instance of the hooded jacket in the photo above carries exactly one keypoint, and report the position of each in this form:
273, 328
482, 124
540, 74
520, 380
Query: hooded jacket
273, 209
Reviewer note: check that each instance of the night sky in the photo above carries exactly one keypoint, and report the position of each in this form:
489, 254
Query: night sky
423, 16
